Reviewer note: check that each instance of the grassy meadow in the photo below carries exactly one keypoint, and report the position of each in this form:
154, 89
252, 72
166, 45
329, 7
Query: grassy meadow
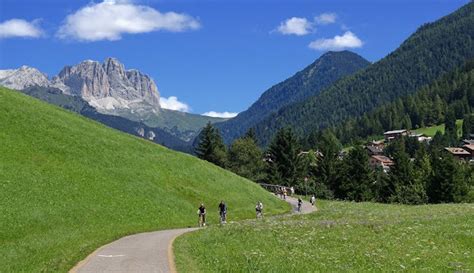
340, 237
69, 185
431, 131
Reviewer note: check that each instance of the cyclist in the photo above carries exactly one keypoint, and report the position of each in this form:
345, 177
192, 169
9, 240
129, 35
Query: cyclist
312, 200
300, 203
223, 212
259, 209
202, 215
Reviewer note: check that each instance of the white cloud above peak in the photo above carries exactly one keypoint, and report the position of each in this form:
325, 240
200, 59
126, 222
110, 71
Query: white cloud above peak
295, 26
325, 18
110, 19
347, 40
220, 114
172, 103
20, 28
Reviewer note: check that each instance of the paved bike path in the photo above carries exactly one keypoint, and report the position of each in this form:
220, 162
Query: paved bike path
149, 252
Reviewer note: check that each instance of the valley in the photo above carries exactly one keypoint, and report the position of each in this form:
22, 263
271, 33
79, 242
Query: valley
366, 108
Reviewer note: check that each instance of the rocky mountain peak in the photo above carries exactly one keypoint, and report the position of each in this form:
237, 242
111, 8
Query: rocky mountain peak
112, 66
108, 86
22, 78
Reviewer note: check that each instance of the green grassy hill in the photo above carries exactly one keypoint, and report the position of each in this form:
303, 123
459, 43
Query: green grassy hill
340, 237
69, 185
431, 131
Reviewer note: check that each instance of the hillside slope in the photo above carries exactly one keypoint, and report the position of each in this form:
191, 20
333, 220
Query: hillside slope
433, 50
80, 106
323, 72
69, 185
430, 105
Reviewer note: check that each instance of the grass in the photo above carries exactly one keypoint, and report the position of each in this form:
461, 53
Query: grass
340, 237
431, 131
69, 185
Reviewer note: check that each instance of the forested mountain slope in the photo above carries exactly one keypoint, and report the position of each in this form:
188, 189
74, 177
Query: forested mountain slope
451, 95
327, 69
433, 50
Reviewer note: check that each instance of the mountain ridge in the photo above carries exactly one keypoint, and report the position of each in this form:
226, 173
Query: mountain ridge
328, 68
434, 49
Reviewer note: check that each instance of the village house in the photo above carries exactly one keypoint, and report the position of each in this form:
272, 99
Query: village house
468, 141
374, 150
375, 147
380, 161
395, 134
422, 138
470, 149
459, 153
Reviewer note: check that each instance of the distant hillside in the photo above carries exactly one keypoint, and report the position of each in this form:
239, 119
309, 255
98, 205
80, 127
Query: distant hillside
433, 50
185, 126
69, 185
329, 68
77, 104
425, 108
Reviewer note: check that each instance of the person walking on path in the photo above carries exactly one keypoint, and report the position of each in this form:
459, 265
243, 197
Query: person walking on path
300, 203
259, 209
202, 215
285, 193
223, 212
312, 200
292, 191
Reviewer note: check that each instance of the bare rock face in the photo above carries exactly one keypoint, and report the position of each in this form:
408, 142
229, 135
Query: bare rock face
108, 86
22, 78
87, 80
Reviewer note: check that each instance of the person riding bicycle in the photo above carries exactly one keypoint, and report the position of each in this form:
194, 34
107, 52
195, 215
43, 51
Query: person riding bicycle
300, 203
312, 200
259, 209
223, 212
202, 215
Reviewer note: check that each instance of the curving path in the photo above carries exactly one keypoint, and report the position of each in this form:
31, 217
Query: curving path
146, 252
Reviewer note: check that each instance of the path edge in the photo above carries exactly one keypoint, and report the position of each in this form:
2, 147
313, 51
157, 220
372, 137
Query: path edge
84, 261
171, 257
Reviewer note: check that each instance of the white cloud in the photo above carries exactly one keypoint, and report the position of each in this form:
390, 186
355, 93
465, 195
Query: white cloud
325, 18
110, 19
296, 26
347, 40
172, 103
220, 114
20, 28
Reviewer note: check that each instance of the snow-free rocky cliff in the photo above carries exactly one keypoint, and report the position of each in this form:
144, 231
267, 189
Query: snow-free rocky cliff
22, 78
106, 86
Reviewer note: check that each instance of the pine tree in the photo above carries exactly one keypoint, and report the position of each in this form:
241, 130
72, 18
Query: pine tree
211, 147
357, 180
402, 178
423, 171
450, 130
327, 166
448, 182
468, 126
383, 187
282, 158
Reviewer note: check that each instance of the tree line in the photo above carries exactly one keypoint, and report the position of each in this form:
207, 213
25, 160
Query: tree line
421, 173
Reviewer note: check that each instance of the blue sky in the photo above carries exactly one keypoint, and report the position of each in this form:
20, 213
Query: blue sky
212, 55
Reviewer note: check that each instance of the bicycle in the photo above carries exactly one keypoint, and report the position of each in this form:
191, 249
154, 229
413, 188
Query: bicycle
202, 220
